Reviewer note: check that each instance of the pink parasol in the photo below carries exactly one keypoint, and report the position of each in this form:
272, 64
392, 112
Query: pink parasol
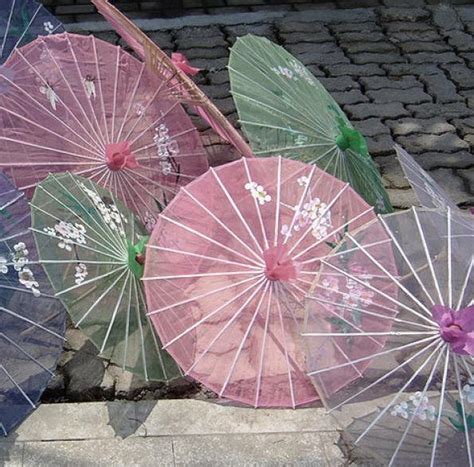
228, 266
176, 70
79, 104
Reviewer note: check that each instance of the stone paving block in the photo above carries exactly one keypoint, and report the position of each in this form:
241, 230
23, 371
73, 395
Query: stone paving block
323, 59
266, 30
406, 3
263, 450
403, 14
451, 110
210, 64
447, 142
190, 32
355, 70
461, 41
401, 69
382, 58
353, 47
289, 27
402, 199
404, 26
342, 83
461, 75
364, 111
392, 172
380, 145
216, 92
361, 28
372, 127
382, 82
316, 70
306, 47
468, 177
446, 17
148, 451
455, 160
218, 77
353, 96
415, 47
464, 125
403, 96
453, 184
201, 53
202, 41
226, 106
162, 39
414, 36
353, 37
441, 88
302, 37
408, 126
441, 58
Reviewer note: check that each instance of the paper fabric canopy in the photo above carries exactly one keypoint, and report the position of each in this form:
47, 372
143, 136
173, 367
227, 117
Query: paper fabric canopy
284, 110
82, 105
179, 84
393, 311
32, 321
428, 192
92, 249
21, 21
227, 268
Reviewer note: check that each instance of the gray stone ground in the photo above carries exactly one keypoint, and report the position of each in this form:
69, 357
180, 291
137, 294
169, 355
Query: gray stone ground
402, 74
171, 433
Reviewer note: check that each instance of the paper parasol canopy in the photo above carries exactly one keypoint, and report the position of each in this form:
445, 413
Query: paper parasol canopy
32, 321
80, 104
174, 73
227, 268
92, 249
403, 331
284, 110
21, 21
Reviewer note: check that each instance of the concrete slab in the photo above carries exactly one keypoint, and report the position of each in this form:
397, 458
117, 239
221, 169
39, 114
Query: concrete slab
272, 449
190, 417
170, 432
135, 451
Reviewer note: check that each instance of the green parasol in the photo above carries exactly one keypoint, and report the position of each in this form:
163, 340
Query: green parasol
284, 110
92, 249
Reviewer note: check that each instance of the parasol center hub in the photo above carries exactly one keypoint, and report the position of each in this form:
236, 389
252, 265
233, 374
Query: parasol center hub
119, 156
136, 256
342, 142
279, 266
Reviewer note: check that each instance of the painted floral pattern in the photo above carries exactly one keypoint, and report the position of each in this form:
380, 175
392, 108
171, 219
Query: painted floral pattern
48, 27
418, 405
68, 234
258, 192
294, 71
109, 212
19, 260
167, 148
50, 94
81, 273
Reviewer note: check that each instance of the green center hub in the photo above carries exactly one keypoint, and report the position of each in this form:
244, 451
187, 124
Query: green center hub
350, 138
136, 256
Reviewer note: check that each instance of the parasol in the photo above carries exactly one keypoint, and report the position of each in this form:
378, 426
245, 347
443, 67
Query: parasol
92, 249
172, 71
80, 104
284, 110
409, 333
228, 265
32, 321
21, 21
428, 192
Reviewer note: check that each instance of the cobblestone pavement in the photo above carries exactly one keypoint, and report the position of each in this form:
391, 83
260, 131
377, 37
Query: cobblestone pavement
402, 74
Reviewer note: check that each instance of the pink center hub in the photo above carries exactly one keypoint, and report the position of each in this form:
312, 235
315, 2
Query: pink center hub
119, 156
278, 265
456, 327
